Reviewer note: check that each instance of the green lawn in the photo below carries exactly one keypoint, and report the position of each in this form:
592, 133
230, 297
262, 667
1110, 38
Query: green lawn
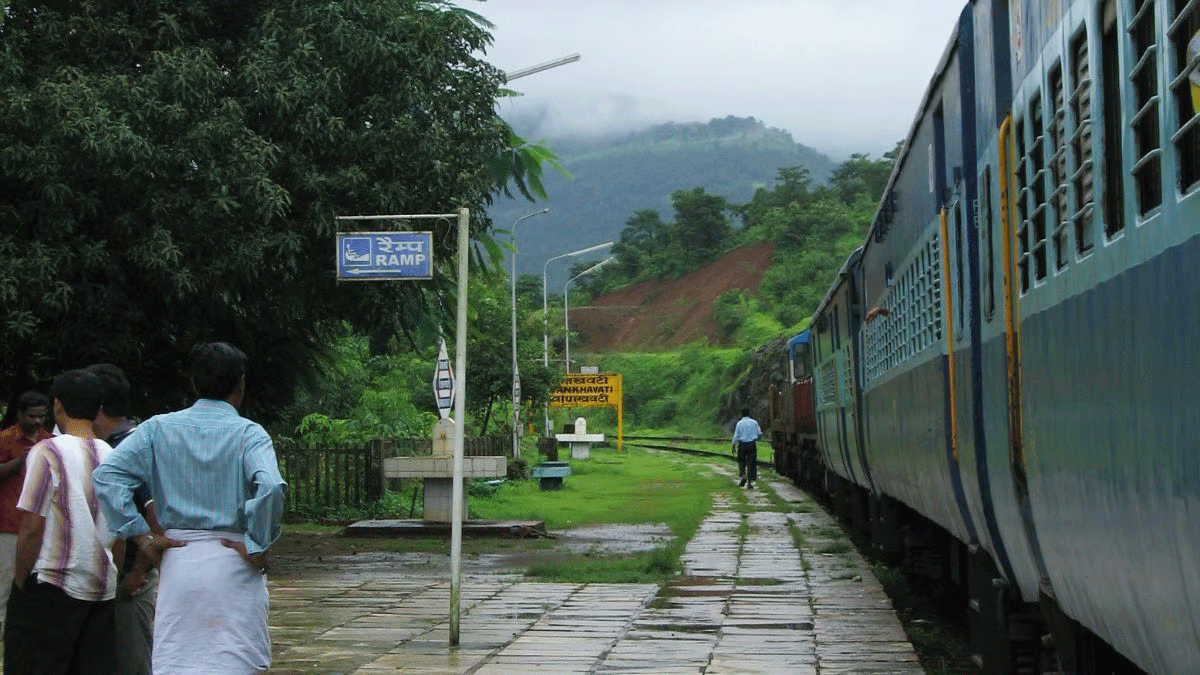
635, 486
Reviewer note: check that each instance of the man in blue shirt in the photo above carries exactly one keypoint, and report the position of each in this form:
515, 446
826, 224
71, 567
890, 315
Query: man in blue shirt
745, 434
218, 493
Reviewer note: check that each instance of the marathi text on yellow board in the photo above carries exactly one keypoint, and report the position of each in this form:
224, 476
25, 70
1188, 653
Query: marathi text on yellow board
588, 391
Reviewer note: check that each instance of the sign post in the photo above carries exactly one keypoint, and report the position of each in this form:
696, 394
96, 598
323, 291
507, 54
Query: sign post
389, 256
460, 427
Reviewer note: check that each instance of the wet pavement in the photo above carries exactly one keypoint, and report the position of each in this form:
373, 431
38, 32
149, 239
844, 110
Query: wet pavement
752, 599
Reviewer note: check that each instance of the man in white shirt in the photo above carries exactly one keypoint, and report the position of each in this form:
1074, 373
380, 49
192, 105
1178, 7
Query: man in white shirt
60, 614
745, 434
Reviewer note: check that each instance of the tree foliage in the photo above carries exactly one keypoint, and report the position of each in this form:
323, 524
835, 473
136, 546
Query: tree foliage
650, 248
489, 356
170, 173
812, 227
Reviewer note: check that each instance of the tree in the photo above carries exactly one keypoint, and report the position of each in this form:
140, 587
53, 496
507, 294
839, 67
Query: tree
701, 229
170, 173
643, 239
489, 353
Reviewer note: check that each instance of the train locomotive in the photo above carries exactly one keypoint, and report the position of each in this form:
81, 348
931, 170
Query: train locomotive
1000, 382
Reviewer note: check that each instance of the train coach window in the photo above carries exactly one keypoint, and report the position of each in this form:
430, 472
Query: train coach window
1083, 180
1032, 182
1058, 169
934, 275
1114, 160
1184, 34
1022, 233
1038, 186
1147, 167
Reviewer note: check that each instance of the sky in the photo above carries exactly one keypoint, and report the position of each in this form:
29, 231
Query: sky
842, 76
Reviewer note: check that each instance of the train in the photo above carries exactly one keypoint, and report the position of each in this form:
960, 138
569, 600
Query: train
1000, 386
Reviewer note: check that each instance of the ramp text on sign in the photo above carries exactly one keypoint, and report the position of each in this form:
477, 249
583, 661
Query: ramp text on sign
588, 391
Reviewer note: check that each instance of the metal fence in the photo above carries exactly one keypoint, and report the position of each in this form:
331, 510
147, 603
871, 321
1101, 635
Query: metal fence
353, 476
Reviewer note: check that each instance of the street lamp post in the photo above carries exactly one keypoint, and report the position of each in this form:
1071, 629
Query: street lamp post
516, 381
566, 310
511, 75
545, 310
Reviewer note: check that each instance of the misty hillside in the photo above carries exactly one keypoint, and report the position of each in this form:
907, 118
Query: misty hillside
614, 177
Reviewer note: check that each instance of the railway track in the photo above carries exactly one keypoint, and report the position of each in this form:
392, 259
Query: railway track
640, 441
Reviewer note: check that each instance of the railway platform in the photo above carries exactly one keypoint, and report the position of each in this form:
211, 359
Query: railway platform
753, 599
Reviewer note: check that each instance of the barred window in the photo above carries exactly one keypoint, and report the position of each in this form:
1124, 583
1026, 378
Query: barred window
1147, 145
827, 379
1114, 159
1058, 169
1184, 36
913, 321
1032, 179
1083, 179
1021, 201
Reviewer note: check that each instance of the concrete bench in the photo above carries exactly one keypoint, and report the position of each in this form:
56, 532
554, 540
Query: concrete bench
580, 441
438, 472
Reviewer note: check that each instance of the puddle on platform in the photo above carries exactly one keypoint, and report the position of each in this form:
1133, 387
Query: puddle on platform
615, 538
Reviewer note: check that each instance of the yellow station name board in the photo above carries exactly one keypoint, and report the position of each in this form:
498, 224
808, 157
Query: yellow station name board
602, 390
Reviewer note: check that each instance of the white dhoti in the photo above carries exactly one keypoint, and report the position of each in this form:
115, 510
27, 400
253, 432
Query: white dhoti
211, 615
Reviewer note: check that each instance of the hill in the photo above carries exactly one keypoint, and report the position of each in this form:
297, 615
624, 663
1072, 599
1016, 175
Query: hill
664, 314
617, 176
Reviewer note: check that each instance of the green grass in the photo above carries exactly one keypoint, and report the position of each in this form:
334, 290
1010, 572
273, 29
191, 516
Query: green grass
612, 487
635, 487
836, 547
312, 528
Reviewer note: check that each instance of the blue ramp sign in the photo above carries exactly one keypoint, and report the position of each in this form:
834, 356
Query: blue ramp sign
364, 256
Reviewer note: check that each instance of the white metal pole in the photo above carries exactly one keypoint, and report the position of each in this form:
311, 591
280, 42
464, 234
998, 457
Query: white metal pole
545, 313
460, 425
516, 383
545, 349
566, 328
566, 324
512, 75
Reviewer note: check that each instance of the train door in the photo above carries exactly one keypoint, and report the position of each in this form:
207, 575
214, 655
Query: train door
854, 316
843, 339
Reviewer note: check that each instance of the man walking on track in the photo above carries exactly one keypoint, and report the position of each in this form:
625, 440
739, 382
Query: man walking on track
219, 495
745, 435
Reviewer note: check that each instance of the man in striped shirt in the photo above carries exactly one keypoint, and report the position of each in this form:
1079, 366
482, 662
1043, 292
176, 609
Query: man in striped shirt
60, 614
218, 493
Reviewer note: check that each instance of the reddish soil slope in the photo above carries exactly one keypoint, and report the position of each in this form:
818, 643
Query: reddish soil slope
671, 313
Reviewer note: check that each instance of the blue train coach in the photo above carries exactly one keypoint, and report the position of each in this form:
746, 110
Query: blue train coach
1006, 372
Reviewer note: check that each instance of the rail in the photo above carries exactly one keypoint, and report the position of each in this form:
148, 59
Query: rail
691, 451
